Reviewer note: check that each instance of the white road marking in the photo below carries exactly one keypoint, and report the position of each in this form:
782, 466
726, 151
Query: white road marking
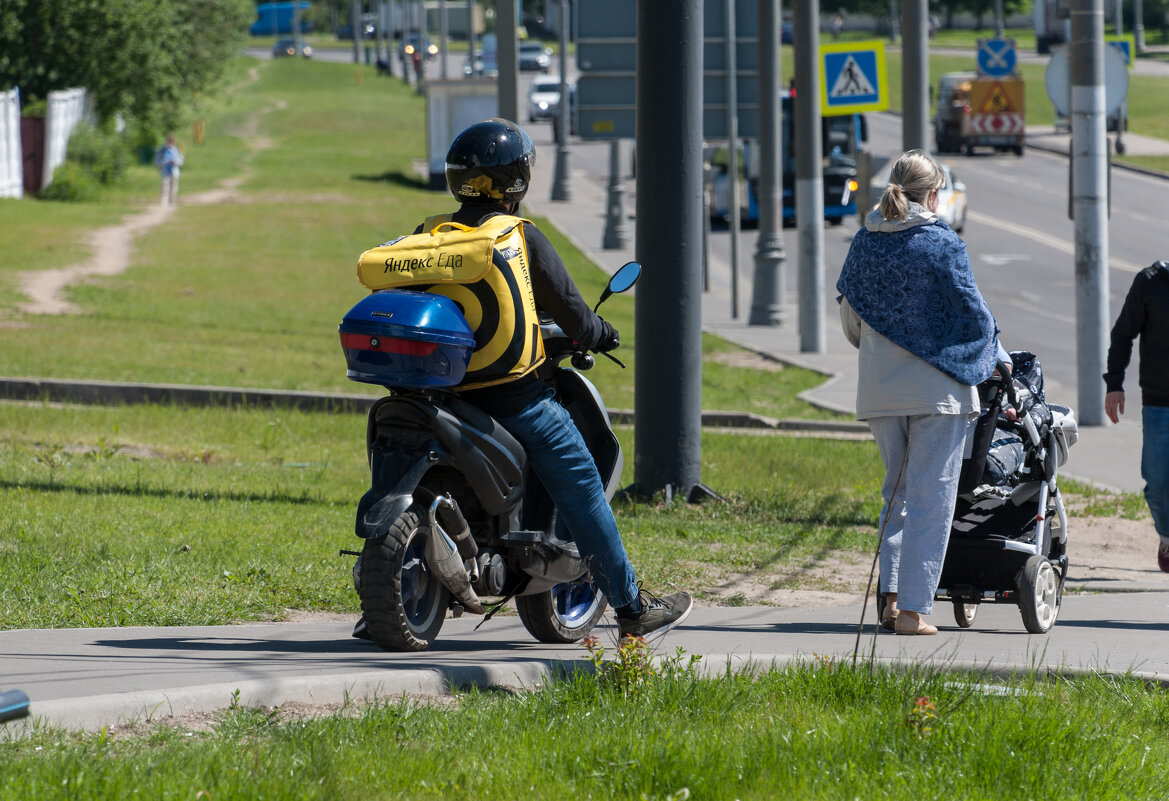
1053, 242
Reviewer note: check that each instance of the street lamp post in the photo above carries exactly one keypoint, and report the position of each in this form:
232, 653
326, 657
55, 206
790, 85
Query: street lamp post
560, 183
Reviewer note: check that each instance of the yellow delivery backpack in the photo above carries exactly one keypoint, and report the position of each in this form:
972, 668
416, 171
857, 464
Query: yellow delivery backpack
485, 271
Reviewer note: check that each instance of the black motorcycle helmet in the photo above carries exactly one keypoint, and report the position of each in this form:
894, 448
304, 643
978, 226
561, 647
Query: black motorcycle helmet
490, 162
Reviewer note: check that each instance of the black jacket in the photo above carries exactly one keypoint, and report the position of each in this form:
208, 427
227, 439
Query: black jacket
1145, 314
556, 295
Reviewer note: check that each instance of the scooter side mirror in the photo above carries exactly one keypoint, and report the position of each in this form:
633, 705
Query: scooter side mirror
621, 281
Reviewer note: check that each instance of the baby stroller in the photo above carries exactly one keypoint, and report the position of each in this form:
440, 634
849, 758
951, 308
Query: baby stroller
1008, 541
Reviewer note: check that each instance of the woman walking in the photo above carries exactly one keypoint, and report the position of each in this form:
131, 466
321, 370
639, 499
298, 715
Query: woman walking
909, 302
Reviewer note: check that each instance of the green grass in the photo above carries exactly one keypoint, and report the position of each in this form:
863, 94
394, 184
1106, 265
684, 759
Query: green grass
813, 731
150, 515
249, 292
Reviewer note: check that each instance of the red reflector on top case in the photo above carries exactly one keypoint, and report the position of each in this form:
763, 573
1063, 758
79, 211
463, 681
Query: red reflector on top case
407, 347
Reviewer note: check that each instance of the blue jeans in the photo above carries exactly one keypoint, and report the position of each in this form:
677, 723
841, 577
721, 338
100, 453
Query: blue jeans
918, 517
557, 454
1155, 465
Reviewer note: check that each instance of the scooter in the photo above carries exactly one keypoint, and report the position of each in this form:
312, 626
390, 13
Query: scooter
454, 513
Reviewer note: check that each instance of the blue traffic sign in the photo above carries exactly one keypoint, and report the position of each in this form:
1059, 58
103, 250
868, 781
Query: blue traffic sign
852, 78
1125, 44
996, 57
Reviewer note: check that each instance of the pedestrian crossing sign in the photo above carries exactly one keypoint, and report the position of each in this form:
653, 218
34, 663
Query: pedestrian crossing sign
852, 78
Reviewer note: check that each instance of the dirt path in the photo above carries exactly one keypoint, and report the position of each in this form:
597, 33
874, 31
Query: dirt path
112, 247
1105, 555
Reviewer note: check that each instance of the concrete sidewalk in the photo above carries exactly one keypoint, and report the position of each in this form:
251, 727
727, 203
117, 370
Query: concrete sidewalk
90, 678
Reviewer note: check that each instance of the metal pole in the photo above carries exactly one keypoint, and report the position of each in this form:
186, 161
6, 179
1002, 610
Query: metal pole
443, 37
768, 282
1119, 23
470, 36
561, 189
915, 74
809, 175
668, 379
733, 186
616, 235
1089, 204
1138, 25
508, 55
894, 21
998, 19
355, 18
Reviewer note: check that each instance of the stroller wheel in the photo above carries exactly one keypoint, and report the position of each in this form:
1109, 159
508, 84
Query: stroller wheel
964, 614
1039, 595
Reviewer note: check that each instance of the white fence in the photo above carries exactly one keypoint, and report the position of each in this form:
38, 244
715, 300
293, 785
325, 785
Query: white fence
11, 156
65, 109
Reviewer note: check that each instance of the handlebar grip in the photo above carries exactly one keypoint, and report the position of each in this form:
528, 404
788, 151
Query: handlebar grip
13, 705
582, 361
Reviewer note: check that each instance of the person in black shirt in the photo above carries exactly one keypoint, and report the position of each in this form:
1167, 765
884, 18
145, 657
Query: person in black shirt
1146, 314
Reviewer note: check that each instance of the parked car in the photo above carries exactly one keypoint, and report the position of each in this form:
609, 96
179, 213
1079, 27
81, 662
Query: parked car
368, 31
535, 57
484, 64
952, 201
414, 41
544, 97
289, 47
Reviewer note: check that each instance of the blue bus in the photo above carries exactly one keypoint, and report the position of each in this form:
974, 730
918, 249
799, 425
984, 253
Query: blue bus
841, 138
273, 19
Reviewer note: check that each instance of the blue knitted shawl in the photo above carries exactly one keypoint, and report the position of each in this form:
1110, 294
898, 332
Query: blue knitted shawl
915, 287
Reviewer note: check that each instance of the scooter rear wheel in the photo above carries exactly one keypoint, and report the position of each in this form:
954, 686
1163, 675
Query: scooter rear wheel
403, 602
566, 613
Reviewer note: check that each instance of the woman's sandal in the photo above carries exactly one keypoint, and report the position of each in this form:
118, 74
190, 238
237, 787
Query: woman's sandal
906, 624
889, 617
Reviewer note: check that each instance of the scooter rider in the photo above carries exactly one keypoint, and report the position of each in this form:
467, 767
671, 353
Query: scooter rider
488, 170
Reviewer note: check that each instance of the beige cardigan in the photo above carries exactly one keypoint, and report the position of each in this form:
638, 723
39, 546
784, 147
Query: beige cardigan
893, 382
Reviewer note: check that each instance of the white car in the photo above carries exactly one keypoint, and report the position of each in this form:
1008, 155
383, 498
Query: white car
544, 97
952, 201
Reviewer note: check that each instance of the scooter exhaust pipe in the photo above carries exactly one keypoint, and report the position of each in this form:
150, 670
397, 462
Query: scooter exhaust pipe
447, 563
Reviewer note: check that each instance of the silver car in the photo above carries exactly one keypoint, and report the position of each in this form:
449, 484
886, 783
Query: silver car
544, 97
952, 201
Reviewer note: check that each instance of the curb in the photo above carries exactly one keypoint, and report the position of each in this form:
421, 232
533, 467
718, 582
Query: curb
1056, 150
111, 393
95, 713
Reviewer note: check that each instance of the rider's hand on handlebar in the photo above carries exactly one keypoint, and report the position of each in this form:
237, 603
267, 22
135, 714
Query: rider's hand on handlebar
610, 339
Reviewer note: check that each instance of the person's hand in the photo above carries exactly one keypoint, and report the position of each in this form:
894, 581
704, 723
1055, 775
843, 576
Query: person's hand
1010, 413
610, 339
1114, 406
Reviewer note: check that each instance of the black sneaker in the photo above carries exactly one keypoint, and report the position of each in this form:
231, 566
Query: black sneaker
1163, 557
658, 615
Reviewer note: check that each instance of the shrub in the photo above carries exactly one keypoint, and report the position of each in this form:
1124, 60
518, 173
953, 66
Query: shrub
102, 153
71, 183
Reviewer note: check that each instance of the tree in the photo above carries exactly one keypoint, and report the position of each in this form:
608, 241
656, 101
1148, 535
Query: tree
148, 59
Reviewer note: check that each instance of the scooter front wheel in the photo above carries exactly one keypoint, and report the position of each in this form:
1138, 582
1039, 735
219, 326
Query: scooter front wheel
403, 602
566, 613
